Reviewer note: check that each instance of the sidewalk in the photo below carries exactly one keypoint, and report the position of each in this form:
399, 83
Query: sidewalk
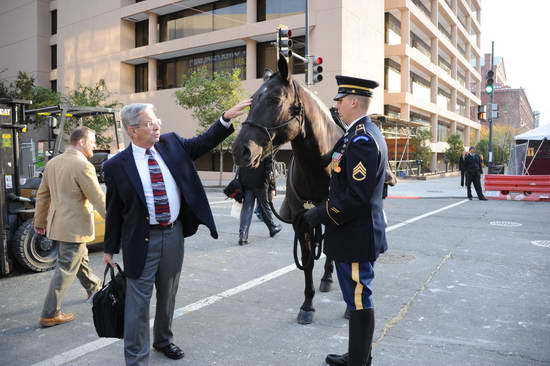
448, 187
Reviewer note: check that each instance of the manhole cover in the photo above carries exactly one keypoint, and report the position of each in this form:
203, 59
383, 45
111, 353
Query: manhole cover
505, 223
395, 257
541, 243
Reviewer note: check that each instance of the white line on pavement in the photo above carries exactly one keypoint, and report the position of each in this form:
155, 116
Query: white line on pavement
90, 347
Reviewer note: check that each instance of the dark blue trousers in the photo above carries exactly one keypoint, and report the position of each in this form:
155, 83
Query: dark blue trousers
356, 283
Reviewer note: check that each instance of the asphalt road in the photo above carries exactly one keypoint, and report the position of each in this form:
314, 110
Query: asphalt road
453, 289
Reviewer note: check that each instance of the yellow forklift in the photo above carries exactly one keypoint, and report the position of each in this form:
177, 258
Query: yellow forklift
19, 244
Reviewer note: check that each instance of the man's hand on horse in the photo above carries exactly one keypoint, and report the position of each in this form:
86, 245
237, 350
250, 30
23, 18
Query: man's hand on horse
237, 109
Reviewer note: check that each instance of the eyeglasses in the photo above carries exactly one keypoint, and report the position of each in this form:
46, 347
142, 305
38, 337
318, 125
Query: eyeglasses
151, 123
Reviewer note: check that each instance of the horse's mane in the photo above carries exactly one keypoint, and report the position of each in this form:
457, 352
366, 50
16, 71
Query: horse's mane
324, 128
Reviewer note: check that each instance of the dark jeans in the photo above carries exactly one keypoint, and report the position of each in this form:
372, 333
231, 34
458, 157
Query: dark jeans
476, 179
250, 196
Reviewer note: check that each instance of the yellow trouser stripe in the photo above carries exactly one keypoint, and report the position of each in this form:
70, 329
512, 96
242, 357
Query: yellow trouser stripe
358, 286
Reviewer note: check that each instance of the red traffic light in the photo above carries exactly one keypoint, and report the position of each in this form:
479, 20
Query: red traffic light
318, 60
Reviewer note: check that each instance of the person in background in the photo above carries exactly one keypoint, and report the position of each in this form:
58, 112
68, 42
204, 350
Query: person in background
256, 184
461, 167
65, 203
474, 170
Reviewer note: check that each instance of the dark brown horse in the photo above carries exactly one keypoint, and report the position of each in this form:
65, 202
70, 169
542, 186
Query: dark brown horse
282, 111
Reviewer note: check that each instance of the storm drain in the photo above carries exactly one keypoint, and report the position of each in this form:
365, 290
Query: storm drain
396, 257
541, 243
505, 223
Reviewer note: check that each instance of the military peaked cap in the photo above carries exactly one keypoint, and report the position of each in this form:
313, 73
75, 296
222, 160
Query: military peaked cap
349, 85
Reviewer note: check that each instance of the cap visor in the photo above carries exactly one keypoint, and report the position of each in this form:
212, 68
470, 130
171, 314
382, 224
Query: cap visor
339, 96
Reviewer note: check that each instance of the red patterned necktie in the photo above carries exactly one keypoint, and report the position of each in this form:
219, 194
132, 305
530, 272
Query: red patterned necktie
162, 207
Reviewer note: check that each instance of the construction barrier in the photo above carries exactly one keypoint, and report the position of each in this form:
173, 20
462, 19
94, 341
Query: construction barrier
517, 187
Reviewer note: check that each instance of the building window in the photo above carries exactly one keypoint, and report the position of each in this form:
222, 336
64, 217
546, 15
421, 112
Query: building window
391, 111
420, 87
53, 85
419, 44
53, 15
443, 99
142, 33
202, 19
392, 76
267, 57
417, 117
272, 9
170, 72
444, 64
53, 58
141, 78
442, 132
392, 33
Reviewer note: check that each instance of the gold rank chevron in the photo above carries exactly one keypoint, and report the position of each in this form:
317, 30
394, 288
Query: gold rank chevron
359, 172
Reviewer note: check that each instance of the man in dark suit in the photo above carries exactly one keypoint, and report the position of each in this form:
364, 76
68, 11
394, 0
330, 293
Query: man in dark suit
255, 183
473, 169
154, 199
353, 216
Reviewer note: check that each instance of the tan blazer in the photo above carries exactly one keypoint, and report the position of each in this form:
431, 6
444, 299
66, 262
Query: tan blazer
67, 197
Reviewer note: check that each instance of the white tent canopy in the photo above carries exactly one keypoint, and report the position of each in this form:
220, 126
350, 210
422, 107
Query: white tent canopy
538, 133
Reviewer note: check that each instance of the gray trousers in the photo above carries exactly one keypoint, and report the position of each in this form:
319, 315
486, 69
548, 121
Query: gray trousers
162, 269
72, 262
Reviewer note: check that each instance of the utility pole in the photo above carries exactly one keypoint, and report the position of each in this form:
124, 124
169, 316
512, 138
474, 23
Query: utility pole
309, 66
490, 109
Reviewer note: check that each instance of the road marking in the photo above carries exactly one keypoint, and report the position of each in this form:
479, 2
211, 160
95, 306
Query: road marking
93, 346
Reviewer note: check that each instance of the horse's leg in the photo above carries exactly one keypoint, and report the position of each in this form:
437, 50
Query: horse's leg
326, 280
307, 311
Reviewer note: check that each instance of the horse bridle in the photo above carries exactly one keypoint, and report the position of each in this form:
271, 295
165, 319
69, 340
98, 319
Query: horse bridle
296, 113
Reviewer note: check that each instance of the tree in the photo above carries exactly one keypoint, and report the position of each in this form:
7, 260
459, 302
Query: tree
92, 96
208, 96
420, 143
455, 149
503, 140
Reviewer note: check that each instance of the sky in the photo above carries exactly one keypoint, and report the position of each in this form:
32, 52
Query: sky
521, 32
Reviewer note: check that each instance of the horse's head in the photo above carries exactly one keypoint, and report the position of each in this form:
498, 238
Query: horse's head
275, 117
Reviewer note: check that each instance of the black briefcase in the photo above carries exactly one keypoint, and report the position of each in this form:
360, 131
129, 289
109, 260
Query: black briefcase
108, 305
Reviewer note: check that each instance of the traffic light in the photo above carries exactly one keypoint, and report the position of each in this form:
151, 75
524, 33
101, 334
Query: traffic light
317, 69
482, 112
489, 88
284, 43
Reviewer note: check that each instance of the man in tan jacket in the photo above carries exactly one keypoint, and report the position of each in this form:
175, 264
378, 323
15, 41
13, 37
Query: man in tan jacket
65, 203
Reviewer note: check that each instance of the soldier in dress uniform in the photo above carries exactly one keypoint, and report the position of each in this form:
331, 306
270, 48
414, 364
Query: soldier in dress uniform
355, 230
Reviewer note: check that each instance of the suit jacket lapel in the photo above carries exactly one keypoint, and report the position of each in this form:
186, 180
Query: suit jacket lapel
131, 170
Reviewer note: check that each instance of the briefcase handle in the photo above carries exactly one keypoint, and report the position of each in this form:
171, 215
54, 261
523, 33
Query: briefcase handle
109, 268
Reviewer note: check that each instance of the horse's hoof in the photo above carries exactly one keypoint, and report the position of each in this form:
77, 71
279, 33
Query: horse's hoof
305, 317
325, 286
347, 313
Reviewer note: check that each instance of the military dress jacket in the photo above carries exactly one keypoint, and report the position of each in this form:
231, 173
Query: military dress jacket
355, 230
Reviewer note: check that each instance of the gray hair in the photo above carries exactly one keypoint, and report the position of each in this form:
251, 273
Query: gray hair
130, 113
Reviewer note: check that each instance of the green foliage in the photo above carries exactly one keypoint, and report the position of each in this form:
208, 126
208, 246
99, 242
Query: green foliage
209, 96
455, 149
92, 96
503, 140
421, 146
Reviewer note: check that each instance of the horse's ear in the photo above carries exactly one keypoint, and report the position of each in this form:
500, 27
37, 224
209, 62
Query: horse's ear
284, 70
267, 74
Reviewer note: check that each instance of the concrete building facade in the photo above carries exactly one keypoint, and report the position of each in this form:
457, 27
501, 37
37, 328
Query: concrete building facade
424, 53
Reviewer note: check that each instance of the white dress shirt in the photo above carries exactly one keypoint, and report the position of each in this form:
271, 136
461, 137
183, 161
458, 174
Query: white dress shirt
172, 190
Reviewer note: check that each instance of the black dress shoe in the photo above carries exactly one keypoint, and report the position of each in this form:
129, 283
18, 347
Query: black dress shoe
470, 198
483, 199
171, 351
275, 230
337, 360
243, 242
